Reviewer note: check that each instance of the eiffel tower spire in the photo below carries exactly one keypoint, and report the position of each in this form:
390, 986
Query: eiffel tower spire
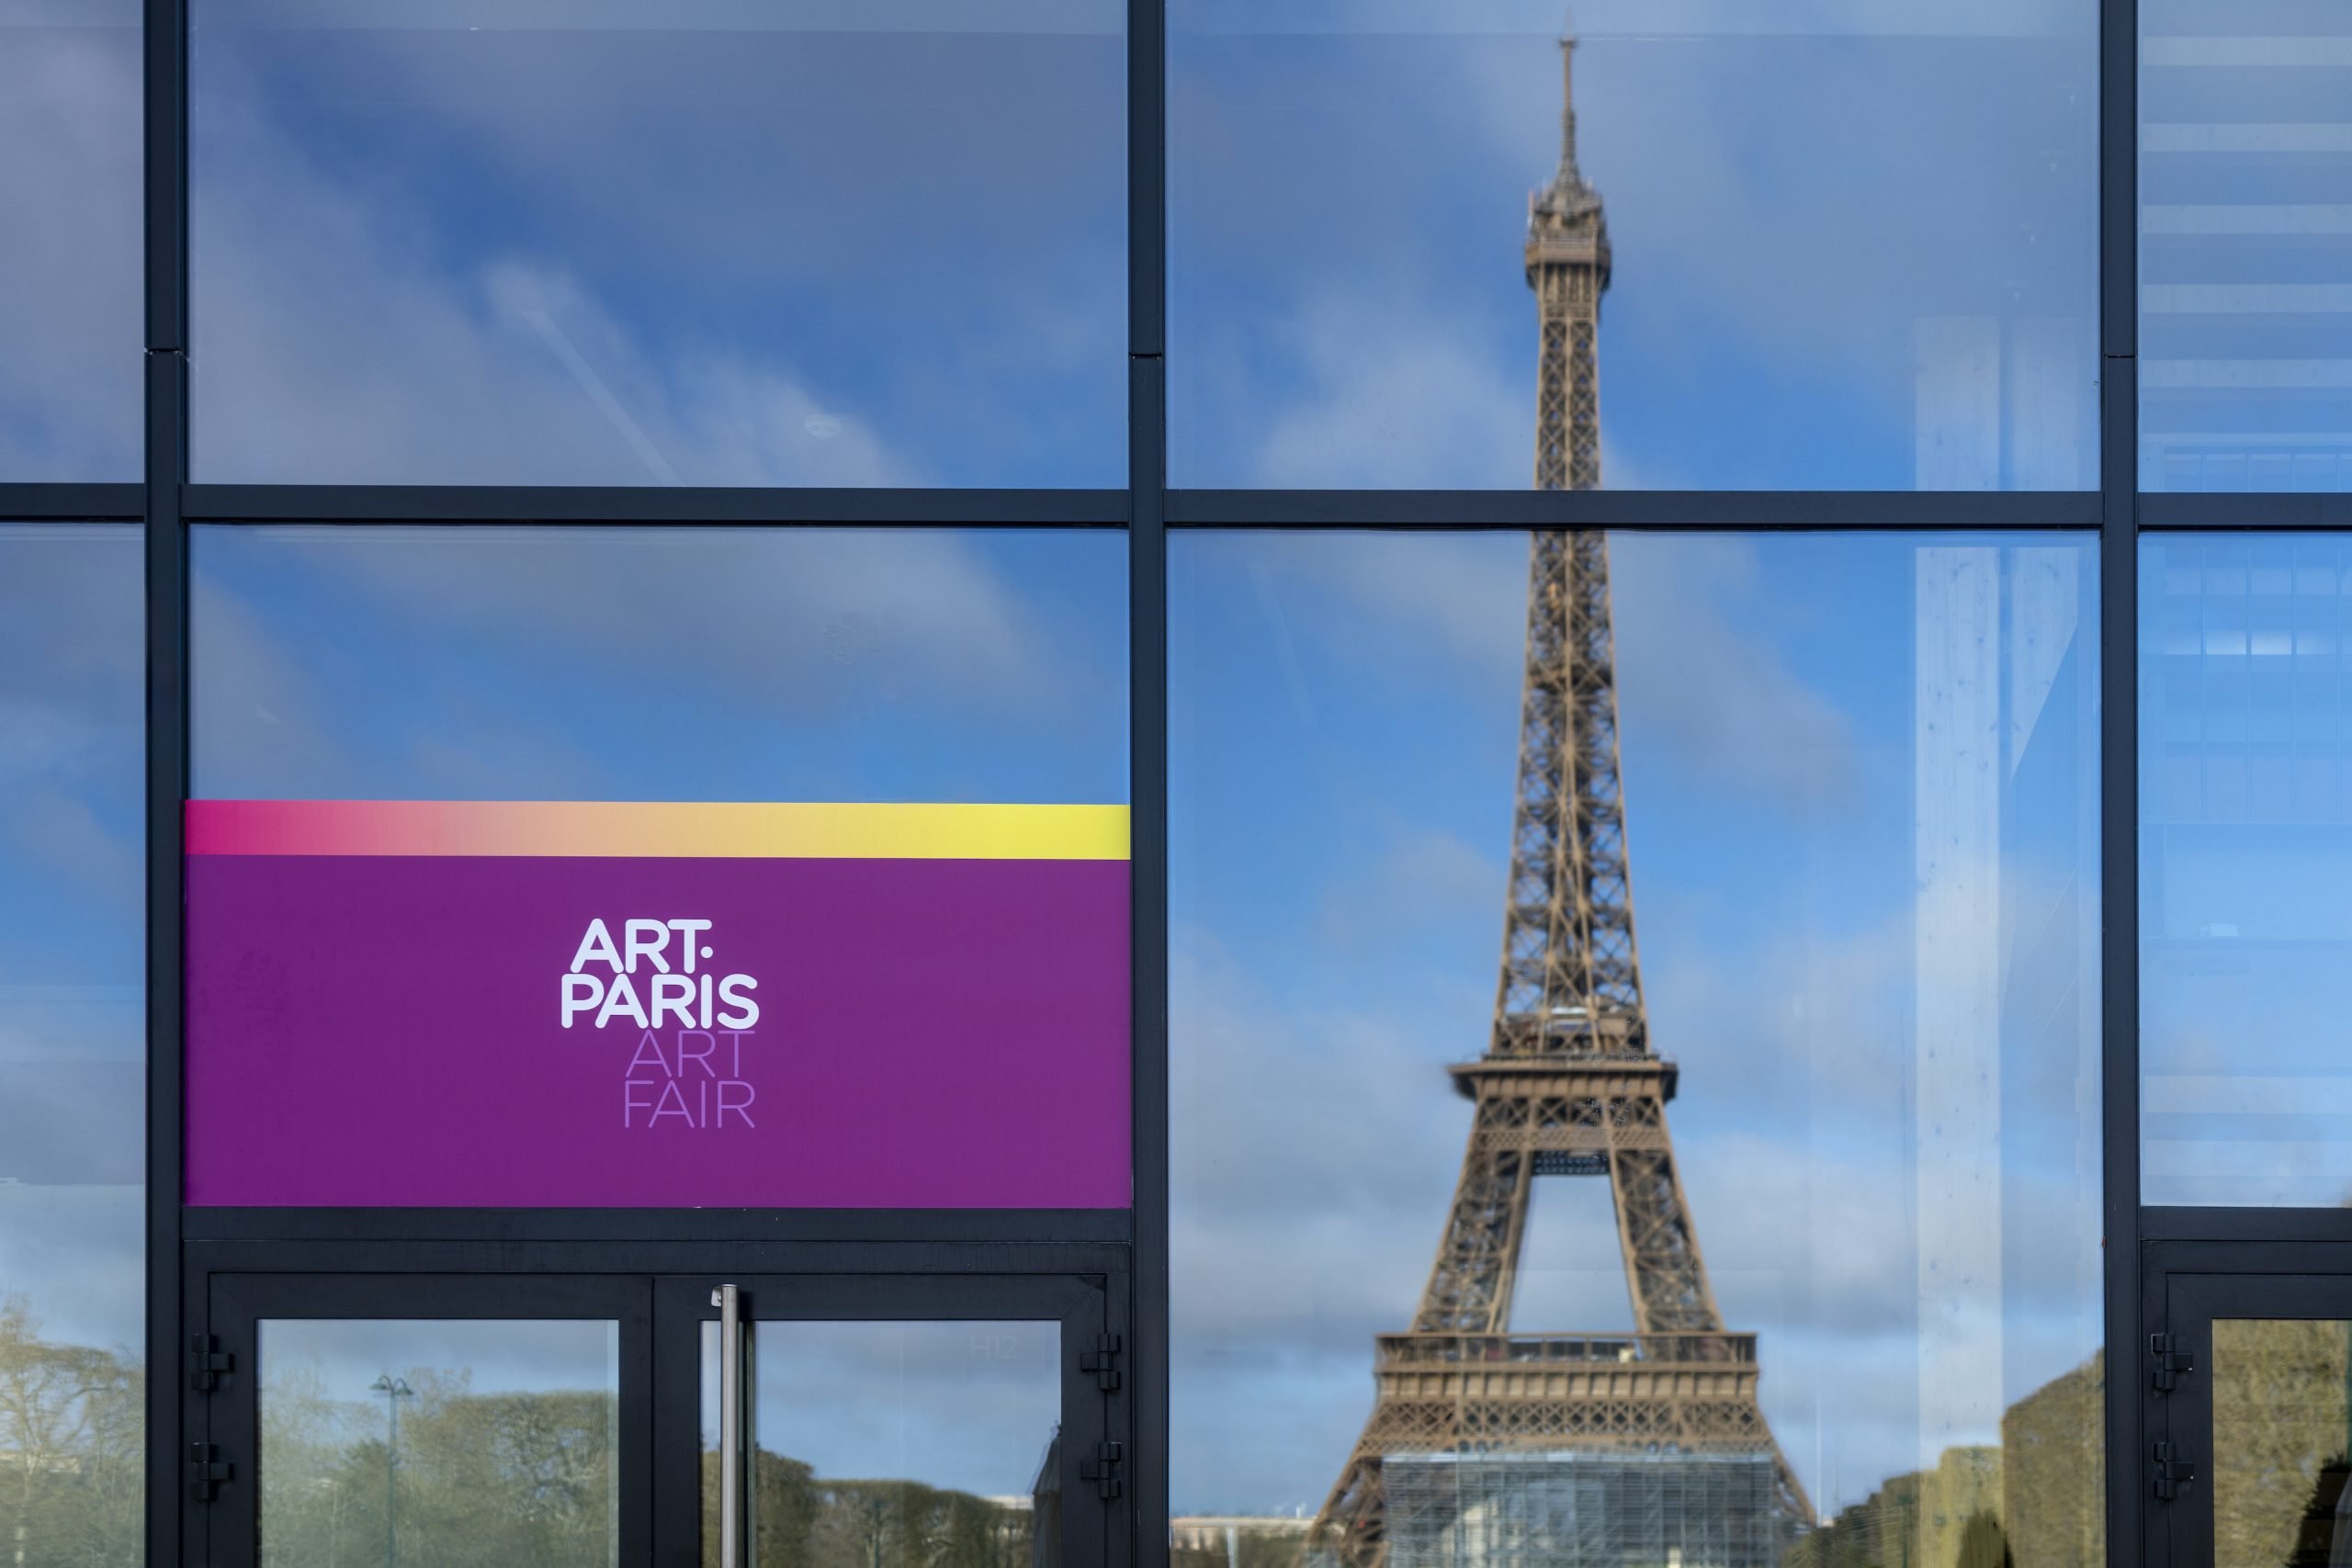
1657, 1432
1567, 266
1569, 179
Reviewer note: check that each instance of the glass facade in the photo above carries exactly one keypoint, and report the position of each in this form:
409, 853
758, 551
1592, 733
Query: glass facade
1832, 1119
1854, 248
1148, 784
657, 245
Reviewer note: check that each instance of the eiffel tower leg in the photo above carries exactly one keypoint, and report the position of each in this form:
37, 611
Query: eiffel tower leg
1352, 1531
1469, 1291
1470, 1284
1663, 1268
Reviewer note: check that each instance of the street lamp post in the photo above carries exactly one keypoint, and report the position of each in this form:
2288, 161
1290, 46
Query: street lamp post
394, 1390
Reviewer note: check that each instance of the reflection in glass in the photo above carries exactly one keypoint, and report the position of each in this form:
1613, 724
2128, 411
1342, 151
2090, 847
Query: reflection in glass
1771, 1238
661, 664
2246, 242
459, 1444
2245, 805
1850, 247
73, 1082
71, 361
666, 241
2281, 1442
897, 1445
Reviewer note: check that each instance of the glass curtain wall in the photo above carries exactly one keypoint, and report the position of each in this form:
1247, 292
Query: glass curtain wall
1634, 1047
1799, 249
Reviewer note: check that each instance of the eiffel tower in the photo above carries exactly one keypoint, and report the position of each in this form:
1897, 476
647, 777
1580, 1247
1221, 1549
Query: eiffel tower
1581, 1450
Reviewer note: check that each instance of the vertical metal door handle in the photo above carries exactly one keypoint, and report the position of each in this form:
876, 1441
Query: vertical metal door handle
728, 1301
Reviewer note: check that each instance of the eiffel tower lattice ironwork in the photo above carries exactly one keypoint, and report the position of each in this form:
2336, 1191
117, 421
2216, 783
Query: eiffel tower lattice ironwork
1570, 1083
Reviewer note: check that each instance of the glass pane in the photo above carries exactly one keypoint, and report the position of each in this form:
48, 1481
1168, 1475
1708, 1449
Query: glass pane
73, 1041
1847, 246
2246, 241
1777, 1236
666, 808
659, 664
2280, 1440
2245, 805
469, 1444
70, 347
897, 1445
695, 242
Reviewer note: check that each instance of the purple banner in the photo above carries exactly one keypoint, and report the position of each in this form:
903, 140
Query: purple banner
549, 1031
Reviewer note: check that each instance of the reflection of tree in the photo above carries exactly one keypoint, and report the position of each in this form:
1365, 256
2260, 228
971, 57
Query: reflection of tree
2318, 1537
515, 1480
808, 1522
1275, 1546
2278, 1416
1982, 1545
70, 1450
2036, 1501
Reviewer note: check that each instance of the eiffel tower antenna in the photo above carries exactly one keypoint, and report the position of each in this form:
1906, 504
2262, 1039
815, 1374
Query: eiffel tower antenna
1595, 1448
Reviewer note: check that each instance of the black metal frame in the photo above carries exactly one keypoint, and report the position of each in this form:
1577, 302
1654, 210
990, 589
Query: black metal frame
654, 1283
658, 1293
1130, 1246
231, 1303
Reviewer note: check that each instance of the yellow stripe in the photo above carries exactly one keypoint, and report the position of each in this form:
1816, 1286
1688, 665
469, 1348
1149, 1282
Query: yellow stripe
845, 831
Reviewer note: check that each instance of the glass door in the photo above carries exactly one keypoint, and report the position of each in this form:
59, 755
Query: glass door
2250, 1436
371, 1421
885, 1422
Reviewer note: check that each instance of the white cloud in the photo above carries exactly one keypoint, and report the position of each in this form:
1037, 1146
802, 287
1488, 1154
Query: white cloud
336, 345
72, 714
1723, 701
1393, 396
1417, 878
70, 362
779, 631
1699, 678
355, 322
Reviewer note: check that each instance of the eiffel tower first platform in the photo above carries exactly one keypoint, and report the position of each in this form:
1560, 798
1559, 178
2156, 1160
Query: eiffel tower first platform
1485, 1448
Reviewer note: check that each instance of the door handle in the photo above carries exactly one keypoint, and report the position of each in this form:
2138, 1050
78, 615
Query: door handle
732, 1513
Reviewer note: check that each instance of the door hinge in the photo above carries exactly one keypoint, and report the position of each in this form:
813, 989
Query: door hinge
1102, 1361
206, 1470
206, 1362
2170, 1359
1103, 1469
2172, 1473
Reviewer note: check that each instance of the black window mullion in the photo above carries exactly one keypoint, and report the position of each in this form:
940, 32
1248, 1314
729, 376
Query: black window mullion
1140, 1532
164, 45
626, 506
1642, 511
2118, 223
